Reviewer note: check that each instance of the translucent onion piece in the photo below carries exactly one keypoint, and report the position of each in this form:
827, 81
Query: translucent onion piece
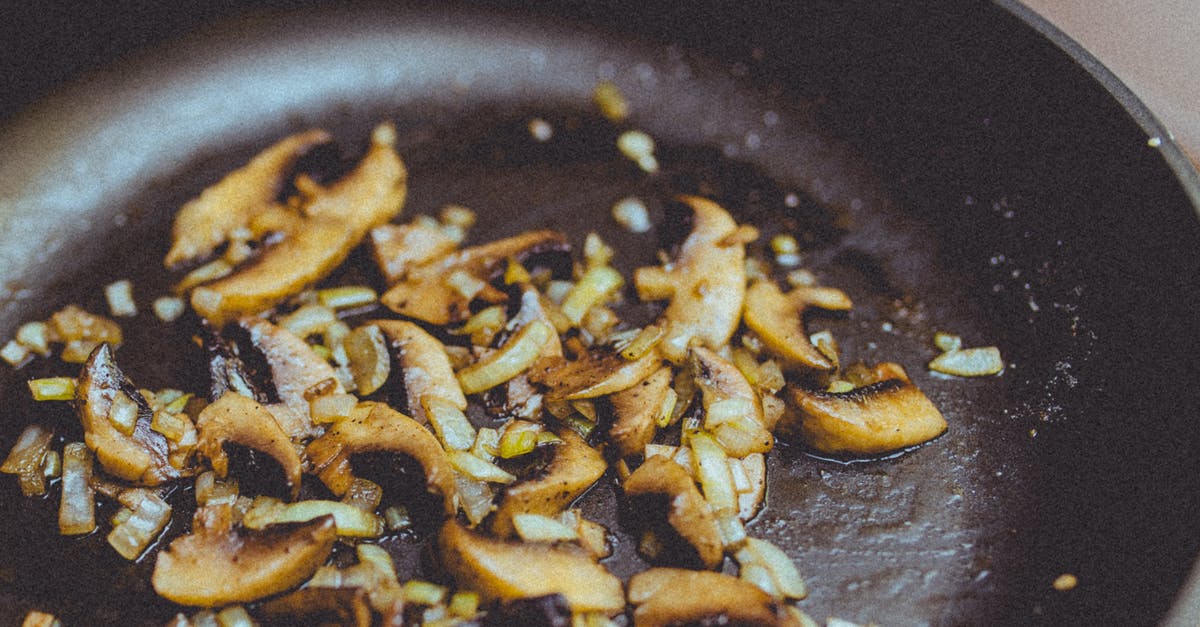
26, 459
350, 520
148, 519
77, 510
517, 355
711, 468
478, 469
768, 567
593, 288
449, 423
969, 362
370, 362
539, 528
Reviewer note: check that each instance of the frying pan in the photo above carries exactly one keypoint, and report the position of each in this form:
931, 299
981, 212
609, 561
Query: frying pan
953, 166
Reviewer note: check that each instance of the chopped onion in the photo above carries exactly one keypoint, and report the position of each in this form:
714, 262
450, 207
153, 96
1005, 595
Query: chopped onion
210, 490
610, 101
639, 147
829, 298
487, 444
309, 320
370, 361
464, 604
595, 251
142, 527
16, 354
768, 567
397, 518
539, 528
449, 423
474, 497
77, 509
35, 336
119, 295
363, 494
350, 520
424, 593
478, 469
593, 288
40, 619
27, 458
347, 296
211, 271
465, 284
169, 308
517, 354
653, 283
235, 616
519, 437
172, 426
53, 389
632, 214
643, 342
969, 362
332, 407
947, 342
709, 465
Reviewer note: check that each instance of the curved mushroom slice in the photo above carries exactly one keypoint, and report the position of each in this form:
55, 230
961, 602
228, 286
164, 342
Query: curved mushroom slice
217, 565
732, 410
441, 292
295, 367
636, 411
106, 398
673, 596
888, 415
597, 372
235, 419
425, 366
375, 427
331, 222
778, 322
506, 570
207, 221
663, 484
707, 282
572, 469
319, 606
398, 248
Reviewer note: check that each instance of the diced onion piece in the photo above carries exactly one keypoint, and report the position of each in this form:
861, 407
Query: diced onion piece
478, 469
510, 360
363, 494
638, 146
211, 491
770, 376
40, 619
487, 444
539, 528
829, 298
332, 407
595, 251
424, 593
77, 351
15, 353
350, 520
653, 283
610, 101
168, 308
465, 284
27, 458
119, 295
667, 411
514, 273
35, 336
464, 604
51, 464
142, 527
771, 569
969, 362
397, 518
709, 465
733, 532
484, 325
732, 409
643, 342
519, 437
632, 214
784, 244
370, 361
172, 426
457, 215
449, 422
308, 320
826, 345
235, 616
211, 271
474, 497
838, 386
593, 288
947, 342
53, 389
77, 510
347, 296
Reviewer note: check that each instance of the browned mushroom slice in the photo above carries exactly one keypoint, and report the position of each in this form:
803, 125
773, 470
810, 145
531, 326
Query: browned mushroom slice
218, 565
319, 606
116, 422
295, 367
572, 469
425, 366
777, 320
690, 534
732, 409
595, 373
707, 280
207, 221
674, 596
440, 292
377, 428
399, 248
888, 415
235, 419
635, 413
506, 570
331, 222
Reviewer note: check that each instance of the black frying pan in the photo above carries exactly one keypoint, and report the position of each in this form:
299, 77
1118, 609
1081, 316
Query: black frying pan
959, 166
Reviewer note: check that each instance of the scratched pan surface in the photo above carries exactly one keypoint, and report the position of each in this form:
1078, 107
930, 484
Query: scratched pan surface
949, 167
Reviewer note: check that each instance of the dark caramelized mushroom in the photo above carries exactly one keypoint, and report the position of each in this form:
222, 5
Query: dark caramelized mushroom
572, 469
218, 565
732, 409
318, 606
673, 596
424, 366
661, 484
635, 412
235, 419
597, 372
142, 454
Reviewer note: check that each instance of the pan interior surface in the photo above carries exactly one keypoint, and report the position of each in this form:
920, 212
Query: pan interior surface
997, 217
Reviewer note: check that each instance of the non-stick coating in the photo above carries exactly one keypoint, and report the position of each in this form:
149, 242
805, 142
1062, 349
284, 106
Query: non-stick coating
955, 171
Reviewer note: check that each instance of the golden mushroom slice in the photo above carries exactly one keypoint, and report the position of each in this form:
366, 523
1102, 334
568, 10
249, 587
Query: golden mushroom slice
666, 502
778, 322
675, 596
886, 415
425, 367
440, 292
506, 570
636, 411
235, 419
707, 281
732, 409
218, 565
599, 371
572, 469
330, 222
116, 422
377, 428
207, 221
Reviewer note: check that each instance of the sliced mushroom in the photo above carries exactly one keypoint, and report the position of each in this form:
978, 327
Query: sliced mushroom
507, 570
596, 372
235, 419
295, 367
425, 366
398, 248
572, 469
732, 410
707, 282
429, 292
377, 428
142, 454
319, 606
887, 415
659, 484
218, 565
674, 596
314, 241
207, 221
636, 411
778, 321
